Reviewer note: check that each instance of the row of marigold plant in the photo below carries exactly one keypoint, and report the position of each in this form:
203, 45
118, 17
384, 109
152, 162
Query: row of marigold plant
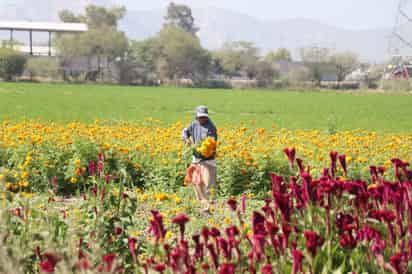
33, 152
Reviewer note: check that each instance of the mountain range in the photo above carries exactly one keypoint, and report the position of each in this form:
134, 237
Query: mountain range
218, 26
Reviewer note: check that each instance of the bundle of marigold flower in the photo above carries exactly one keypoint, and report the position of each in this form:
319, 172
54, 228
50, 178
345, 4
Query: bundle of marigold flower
207, 149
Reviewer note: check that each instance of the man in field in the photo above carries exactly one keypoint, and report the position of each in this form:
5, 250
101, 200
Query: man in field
202, 172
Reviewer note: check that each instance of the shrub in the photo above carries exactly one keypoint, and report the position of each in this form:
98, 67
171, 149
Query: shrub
43, 67
11, 63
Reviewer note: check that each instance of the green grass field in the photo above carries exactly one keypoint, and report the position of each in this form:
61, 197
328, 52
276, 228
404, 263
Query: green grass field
292, 110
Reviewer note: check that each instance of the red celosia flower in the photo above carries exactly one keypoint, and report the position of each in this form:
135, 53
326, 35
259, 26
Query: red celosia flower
227, 269
107, 263
100, 165
258, 247
232, 204
383, 215
307, 188
232, 231
347, 240
224, 246
267, 209
300, 165
132, 246
290, 153
345, 222
198, 247
258, 223
381, 170
46, 267
82, 264
176, 257
297, 259
278, 186
398, 166
374, 173
367, 233
181, 221
213, 255
398, 263
243, 205
205, 234
313, 241
214, 232
284, 204
297, 193
49, 262
156, 225
378, 246
205, 267
118, 231
267, 269
333, 159
160, 267
92, 168
342, 161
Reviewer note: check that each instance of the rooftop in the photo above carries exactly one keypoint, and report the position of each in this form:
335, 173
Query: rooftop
43, 26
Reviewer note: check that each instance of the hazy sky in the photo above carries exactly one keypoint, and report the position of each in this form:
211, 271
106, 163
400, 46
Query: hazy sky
352, 14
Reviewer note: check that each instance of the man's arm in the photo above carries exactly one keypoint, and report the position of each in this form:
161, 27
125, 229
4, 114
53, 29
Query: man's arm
213, 132
187, 134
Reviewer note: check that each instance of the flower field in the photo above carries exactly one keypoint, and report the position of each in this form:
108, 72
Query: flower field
111, 198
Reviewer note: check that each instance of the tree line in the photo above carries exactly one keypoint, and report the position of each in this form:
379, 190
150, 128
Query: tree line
172, 56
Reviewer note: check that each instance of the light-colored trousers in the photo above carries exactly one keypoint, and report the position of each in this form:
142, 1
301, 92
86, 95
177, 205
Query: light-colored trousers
208, 174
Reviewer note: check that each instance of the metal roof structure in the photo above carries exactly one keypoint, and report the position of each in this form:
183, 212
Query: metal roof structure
42, 26
50, 27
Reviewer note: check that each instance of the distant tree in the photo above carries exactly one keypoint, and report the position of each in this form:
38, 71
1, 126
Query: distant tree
344, 63
239, 57
140, 63
69, 17
180, 55
98, 17
317, 61
11, 63
299, 74
145, 53
180, 16
265, 74
102, 40
281, 54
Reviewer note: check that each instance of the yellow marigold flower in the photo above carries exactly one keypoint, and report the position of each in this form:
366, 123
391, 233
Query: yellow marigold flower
135, 233
143, 197
160, 197
27, 195
107, 146
73, 180
25, 175
23, 184
115, 192
77, 162
168, 235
